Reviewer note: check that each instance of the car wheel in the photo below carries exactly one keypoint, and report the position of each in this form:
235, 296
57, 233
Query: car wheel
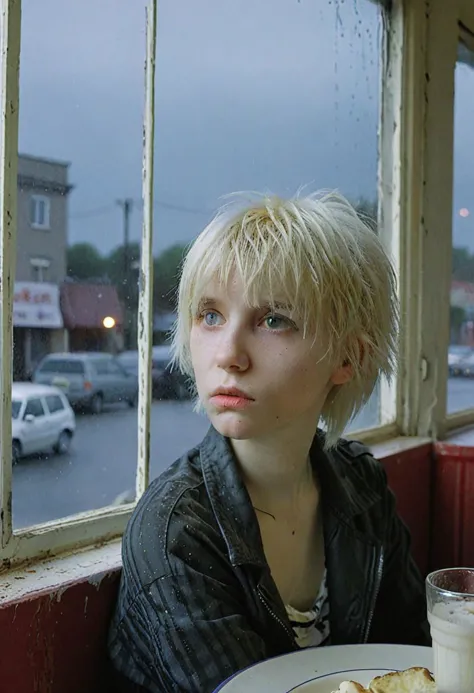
63, 445
133, 401
97, 404
16, 451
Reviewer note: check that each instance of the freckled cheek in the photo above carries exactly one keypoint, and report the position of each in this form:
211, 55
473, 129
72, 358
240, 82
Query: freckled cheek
202, 348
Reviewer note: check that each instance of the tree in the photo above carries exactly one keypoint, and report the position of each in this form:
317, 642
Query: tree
167, 268
85, 262
123, 270
457, 317
367, 209
463, 265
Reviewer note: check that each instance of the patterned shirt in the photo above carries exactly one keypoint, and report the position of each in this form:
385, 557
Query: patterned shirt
311, 628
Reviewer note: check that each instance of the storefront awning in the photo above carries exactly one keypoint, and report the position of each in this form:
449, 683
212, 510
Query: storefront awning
36, 304
84, 306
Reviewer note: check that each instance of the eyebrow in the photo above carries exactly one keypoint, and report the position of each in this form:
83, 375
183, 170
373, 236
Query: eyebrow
205, 302
209, 301
278, 305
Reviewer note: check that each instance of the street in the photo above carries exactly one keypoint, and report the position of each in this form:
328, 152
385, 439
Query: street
101, 464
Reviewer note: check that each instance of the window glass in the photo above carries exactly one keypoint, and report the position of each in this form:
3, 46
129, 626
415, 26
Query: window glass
296, 104
461, 349
34, 407
16, 408
80, 139
54, 403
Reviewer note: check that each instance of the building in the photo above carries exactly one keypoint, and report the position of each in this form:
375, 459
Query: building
93, 316
42, 217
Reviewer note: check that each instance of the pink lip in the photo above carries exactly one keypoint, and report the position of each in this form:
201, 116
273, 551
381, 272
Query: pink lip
230, 398
230, 401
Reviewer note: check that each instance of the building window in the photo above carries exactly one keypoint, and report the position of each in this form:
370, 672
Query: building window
39, 269
39, 212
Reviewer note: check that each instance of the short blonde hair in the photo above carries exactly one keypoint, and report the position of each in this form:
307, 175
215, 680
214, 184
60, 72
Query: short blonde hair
316, 253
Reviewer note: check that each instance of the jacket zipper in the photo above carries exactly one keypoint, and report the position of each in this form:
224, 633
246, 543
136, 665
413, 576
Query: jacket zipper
375, 594
274, 616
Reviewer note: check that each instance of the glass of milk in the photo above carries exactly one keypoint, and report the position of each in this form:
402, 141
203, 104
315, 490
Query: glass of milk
450, 598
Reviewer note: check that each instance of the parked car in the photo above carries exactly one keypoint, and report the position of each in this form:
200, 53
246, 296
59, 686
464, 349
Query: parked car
129, 361
42, 419
457, 353
167, 381
465, 367
89, 379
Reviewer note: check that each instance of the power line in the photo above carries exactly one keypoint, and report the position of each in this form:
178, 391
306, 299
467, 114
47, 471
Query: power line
95, 212
101, 211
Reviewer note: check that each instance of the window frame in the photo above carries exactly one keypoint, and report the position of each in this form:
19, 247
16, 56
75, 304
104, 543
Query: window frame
418, 62
35, 201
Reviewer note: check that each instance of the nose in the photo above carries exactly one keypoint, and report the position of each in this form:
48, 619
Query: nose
232, 353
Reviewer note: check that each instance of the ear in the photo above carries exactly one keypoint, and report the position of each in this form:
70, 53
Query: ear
343, 374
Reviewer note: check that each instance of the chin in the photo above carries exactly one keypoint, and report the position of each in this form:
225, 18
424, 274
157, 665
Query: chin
233, 425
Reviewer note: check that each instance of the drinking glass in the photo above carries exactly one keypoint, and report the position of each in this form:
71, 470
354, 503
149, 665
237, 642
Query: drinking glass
450, 601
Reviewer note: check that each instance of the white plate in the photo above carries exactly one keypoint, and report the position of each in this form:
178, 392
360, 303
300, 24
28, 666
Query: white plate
322, 669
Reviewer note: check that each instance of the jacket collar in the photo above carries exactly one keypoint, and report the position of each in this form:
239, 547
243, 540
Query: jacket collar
344, 493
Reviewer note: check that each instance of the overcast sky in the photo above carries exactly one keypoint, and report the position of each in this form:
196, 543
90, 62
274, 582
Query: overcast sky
251, 95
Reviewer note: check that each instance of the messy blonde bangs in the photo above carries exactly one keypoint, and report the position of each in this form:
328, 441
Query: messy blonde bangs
268, 261
316, 255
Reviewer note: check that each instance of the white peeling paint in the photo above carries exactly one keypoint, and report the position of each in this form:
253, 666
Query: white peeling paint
55, 576
145, 310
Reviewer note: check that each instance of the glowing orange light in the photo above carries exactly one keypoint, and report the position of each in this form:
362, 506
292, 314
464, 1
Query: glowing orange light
108, 322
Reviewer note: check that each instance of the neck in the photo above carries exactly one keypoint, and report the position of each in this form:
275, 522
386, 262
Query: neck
276, 469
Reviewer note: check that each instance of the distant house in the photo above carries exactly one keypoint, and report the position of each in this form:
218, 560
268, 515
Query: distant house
42, 204
93, 316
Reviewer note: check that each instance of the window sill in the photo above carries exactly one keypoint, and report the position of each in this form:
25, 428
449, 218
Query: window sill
395, 446
461, 436
55, 575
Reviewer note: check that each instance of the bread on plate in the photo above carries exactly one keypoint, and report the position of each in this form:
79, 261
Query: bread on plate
414, 680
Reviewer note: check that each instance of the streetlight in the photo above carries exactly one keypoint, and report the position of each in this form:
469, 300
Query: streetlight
108, 322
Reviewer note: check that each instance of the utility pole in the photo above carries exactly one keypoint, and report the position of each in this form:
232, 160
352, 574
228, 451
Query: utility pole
126, 205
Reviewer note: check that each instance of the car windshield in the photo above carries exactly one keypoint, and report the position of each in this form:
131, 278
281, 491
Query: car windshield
62, 366
16, 406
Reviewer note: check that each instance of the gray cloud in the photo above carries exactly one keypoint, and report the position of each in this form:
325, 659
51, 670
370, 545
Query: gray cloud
261, 94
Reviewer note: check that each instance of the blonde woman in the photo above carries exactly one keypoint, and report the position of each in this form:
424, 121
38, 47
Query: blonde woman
272, 534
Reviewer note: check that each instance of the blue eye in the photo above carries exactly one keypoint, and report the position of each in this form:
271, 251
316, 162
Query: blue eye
211, 318
274, 322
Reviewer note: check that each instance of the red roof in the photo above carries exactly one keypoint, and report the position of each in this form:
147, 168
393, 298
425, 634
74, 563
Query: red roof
86, 305
467, 287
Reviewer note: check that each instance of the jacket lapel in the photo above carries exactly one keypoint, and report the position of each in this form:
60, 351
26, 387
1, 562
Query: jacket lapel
352, 549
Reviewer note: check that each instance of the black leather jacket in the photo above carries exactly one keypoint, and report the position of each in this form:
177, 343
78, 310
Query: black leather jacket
197, 601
